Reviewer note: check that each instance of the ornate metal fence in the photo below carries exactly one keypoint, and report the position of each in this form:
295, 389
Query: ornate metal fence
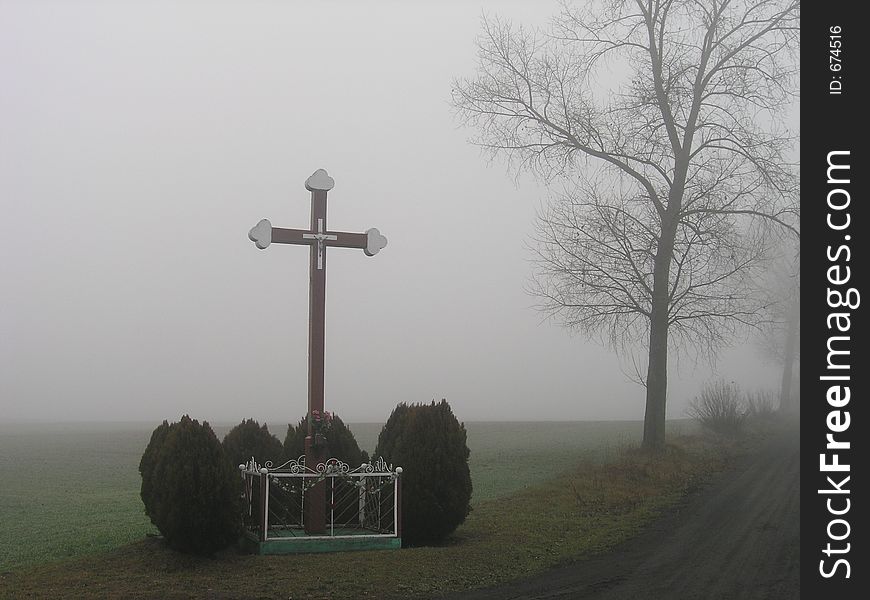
360, 502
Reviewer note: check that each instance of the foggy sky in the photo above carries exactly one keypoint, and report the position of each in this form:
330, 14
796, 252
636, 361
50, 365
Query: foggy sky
140, 141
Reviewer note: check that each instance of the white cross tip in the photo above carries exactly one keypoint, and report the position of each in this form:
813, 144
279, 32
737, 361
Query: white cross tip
319, 180
374, 242
261, 234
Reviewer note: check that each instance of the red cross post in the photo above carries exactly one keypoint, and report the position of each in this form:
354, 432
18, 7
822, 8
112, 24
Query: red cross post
318, 238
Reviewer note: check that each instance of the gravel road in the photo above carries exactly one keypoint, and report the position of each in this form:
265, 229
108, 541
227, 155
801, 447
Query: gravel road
737, 537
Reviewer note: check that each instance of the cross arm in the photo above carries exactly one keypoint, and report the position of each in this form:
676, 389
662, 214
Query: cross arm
282, 235
347, 240
370, 242
263, 234
335, 239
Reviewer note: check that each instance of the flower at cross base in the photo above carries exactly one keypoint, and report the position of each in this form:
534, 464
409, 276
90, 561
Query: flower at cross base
320, 422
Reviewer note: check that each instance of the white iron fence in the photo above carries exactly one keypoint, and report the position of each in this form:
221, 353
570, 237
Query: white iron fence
364, 501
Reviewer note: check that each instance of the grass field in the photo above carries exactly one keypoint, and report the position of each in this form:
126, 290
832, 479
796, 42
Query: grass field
586, 510
72, 489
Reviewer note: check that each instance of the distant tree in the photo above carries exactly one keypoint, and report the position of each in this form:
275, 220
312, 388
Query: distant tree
192, 498
779, 335
339, 439
666, 117
788, 400
250, 439
429, 443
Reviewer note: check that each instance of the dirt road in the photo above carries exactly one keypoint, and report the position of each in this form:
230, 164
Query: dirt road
735, 538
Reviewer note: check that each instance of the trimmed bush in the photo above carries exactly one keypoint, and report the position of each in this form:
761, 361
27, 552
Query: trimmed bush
294, 441
339, 438
718, 408
250, 439
146, 465
429, 443
191, 487
343, 445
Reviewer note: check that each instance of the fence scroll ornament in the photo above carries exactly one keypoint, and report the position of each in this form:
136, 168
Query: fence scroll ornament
332, 467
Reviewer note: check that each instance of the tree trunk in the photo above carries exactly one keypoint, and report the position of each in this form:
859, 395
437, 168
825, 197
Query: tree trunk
786, 403
656, 384
657, 368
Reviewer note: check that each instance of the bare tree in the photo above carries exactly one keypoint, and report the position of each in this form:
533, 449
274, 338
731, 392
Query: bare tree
665, 116
779, 336
790, 336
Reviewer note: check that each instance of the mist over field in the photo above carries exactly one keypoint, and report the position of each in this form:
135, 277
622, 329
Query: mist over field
141, 141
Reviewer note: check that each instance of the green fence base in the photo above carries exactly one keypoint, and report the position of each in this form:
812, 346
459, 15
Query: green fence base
304, 545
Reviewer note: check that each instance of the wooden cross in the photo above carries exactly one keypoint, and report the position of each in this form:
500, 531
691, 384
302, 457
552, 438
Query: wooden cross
318, 238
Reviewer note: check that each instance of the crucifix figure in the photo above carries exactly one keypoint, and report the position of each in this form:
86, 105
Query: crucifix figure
318, 238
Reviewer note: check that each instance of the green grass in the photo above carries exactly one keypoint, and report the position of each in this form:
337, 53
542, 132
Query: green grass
72, 490
588, 509
508, 456
68, 490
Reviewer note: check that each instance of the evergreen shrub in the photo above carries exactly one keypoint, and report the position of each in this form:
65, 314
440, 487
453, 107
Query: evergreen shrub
429, 443
189, 487
339, 439
146, 465
250, 439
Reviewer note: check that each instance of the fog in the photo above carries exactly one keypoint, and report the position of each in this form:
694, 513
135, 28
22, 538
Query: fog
139, 142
